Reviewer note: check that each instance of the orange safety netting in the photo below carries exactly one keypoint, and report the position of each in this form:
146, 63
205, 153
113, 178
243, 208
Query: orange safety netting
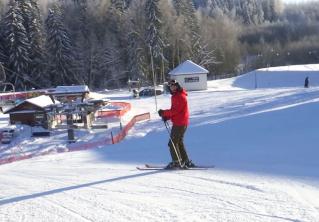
125, 107
83, 146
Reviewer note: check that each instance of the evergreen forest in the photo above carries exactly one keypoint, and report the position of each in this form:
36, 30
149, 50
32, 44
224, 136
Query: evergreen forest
105, 43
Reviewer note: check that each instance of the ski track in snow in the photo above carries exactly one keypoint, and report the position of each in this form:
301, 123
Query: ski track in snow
83, 186
156, 196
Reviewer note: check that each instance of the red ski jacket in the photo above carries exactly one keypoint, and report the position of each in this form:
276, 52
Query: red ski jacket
179, 113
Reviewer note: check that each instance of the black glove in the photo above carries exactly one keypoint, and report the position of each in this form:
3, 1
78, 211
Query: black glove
164, 119
160, 112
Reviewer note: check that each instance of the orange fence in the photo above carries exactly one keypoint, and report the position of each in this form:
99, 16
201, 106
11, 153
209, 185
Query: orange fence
120, 136
113, 139
83, 146
125, 107
15, 158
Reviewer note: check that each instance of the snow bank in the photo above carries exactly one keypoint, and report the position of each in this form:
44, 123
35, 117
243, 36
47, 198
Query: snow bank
282, 76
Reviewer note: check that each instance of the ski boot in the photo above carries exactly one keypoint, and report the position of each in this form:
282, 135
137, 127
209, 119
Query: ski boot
173, 165
189, 164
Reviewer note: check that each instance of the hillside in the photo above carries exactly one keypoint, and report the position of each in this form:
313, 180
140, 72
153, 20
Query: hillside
263, 143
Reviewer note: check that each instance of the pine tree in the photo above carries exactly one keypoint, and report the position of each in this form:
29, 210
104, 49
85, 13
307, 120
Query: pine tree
153, 36
60, 50
2, 52
136, 58
33, 26
127, 3
191, 20
251, 12
115, 65
17, 46
137, 53
3, 57
84, 41
119, 5
37, 41
178, 5
25, 8
246, 11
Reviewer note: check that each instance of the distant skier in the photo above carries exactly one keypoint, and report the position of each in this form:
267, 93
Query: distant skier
179, 115
307, 82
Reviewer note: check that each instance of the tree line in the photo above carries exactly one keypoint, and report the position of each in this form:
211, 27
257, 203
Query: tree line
104, 43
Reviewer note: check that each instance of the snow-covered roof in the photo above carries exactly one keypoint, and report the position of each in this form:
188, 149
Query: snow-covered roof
26, 111
40, 101
188, 67
71, 89
305, 68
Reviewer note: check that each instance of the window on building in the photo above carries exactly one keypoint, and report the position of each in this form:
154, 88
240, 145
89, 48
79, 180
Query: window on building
39, 117
191, 79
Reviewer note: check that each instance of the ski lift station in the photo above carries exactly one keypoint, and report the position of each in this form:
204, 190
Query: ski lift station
190, 76
64, 102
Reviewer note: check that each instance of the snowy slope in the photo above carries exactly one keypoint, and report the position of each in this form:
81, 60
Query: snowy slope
281, 76
263, 142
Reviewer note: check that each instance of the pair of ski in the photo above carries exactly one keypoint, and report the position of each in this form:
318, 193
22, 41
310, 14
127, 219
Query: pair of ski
159, 167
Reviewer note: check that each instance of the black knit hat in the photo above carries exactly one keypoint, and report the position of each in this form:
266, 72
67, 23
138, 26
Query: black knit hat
173, 82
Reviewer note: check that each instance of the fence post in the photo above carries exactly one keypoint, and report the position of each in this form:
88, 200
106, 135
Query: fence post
112, 137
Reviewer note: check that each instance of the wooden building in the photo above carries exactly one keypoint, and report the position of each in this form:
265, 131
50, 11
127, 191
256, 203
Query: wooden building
64, 103
32, 112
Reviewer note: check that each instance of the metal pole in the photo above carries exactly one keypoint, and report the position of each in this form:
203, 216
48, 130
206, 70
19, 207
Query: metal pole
170, 138
154, 80
255, 79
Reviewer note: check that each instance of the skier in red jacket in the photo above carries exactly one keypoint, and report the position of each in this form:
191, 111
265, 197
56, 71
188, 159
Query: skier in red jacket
179, 115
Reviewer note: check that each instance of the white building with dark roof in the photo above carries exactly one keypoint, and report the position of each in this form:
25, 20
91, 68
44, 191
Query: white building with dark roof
190, 76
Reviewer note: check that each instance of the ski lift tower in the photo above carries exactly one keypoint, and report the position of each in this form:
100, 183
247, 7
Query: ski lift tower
71, 97
3, 82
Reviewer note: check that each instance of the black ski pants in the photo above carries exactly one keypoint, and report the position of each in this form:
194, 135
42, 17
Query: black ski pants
177, 136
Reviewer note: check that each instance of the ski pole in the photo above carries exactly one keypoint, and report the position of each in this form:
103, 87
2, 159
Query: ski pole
170, 138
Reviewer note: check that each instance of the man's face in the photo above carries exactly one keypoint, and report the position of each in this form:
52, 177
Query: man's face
173, 87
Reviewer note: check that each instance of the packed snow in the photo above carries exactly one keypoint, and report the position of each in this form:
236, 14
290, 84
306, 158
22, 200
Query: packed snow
272, 77
263, 142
